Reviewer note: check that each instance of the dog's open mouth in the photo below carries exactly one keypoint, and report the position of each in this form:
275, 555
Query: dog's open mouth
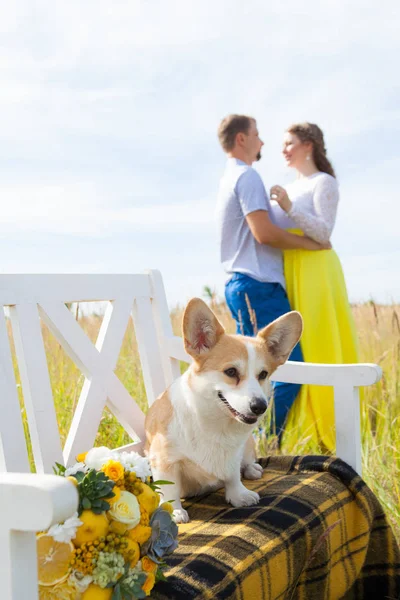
237, 414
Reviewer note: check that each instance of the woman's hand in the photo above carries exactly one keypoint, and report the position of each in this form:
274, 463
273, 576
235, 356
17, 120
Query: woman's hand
279, 194
310, 244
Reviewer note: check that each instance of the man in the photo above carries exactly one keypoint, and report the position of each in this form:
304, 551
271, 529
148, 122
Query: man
251, 244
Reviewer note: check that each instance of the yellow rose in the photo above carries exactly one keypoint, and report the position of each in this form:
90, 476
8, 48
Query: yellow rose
113, 469
81, 457
149, 583
126, 510
140, 534
148, 565
148, 499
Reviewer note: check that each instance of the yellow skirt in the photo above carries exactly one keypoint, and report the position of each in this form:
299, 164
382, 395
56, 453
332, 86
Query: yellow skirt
317, 289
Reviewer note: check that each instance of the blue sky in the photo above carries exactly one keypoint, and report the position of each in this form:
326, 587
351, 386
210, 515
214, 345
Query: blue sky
109, 160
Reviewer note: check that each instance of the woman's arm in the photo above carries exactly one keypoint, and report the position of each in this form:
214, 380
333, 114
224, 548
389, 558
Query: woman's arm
265, 232
325, 199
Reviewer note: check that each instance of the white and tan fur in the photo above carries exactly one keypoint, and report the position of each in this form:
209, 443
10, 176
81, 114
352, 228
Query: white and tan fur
199, 432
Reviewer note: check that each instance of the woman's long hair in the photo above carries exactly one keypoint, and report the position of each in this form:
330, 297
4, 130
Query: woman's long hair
309, 132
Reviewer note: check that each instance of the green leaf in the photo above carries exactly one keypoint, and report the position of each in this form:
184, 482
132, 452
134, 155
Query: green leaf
117, 593
155, 485
59, 469
86, 503
127, 594
163, 482
160, 575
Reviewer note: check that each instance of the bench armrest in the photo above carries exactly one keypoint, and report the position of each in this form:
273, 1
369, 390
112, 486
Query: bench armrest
28, 503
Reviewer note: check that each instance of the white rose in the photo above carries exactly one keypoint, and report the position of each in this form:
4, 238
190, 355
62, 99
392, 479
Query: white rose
126, 510
97, 457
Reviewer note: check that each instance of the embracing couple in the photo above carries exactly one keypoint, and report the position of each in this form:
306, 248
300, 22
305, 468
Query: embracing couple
279, 258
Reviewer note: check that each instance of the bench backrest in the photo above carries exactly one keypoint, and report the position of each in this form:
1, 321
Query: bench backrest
30, 298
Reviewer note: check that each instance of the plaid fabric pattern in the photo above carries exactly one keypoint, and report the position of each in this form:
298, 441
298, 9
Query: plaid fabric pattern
319, 533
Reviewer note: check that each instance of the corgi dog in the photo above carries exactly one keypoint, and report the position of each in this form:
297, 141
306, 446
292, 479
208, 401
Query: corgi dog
199, 431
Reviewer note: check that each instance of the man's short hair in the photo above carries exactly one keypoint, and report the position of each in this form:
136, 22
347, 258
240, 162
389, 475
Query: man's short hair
230, 127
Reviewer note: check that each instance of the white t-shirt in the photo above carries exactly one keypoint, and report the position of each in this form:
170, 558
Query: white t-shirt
242, 192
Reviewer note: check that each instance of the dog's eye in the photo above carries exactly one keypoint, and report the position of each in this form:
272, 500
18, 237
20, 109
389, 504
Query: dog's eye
263, 375
232, 372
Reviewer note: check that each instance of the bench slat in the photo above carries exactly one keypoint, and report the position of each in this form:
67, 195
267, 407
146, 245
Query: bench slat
38, 397
13, 450
18, 289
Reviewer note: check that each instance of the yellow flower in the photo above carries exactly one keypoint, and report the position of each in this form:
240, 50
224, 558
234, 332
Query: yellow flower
93, 526
140, 534
113, 469
81, 457
148, 565
149, 583
148, 498
126, 510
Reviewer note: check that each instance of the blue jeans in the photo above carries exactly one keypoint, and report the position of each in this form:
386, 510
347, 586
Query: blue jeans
268, 301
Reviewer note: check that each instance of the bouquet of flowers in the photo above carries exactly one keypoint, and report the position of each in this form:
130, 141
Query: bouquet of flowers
113, 548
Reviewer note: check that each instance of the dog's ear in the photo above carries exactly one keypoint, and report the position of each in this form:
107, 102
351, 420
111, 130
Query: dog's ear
282, 335
201, 328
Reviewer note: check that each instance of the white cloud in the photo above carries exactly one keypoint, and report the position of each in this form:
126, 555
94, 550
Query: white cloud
82, 209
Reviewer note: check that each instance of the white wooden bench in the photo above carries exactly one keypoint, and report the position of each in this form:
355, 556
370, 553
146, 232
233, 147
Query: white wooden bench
30, 298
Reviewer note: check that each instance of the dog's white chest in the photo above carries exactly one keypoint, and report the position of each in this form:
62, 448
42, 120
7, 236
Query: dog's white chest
213, 449
212, 455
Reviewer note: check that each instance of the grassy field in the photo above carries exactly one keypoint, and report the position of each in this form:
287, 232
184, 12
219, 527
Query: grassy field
379, 333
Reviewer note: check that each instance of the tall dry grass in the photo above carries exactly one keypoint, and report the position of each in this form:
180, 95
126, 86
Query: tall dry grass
379, 334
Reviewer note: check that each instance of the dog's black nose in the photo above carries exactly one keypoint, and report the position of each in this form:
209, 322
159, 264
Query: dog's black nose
258, 406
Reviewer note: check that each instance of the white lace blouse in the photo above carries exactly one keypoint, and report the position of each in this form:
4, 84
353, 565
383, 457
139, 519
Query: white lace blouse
314, 206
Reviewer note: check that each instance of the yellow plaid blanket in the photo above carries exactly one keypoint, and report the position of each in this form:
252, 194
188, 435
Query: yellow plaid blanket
319, 533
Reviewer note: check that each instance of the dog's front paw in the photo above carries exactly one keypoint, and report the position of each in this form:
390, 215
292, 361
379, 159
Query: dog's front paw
181, 515
253, 471
242, 497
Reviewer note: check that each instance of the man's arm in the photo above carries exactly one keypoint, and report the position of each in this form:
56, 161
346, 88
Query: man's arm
265, 232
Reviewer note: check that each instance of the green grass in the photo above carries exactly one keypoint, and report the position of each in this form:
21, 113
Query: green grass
379, 334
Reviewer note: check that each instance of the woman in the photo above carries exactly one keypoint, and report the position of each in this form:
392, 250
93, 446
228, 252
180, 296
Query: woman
314, 280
